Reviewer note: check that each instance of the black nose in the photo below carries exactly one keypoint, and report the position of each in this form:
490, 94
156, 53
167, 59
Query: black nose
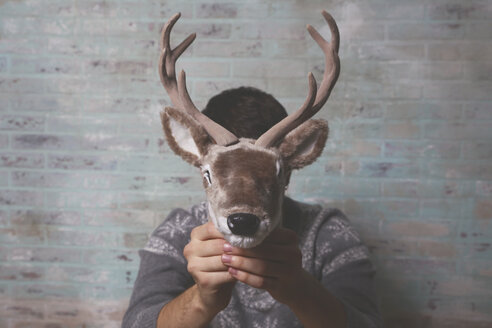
243, 224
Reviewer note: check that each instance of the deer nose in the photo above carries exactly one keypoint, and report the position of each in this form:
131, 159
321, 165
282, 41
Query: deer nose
243, 224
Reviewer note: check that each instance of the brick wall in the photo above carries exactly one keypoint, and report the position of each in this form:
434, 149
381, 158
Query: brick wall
85, 174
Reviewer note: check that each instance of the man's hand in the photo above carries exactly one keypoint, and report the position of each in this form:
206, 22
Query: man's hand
213, 281
275, 265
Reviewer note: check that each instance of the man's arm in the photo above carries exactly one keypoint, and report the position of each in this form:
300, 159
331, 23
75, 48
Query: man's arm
211, 293
276, 265
343, 297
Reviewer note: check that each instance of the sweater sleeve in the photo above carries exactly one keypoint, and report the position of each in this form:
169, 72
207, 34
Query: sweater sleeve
347, 272
162, 274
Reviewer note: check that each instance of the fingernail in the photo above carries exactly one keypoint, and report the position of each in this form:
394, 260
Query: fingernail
227, 247
226, 258
232, 271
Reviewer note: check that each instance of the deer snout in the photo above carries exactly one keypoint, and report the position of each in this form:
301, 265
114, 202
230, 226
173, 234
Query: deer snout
243, 224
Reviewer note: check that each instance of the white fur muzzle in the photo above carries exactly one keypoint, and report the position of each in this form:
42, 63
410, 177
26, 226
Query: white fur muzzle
266, 226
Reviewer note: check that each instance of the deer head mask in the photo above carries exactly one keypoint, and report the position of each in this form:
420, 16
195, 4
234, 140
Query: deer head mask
245, 179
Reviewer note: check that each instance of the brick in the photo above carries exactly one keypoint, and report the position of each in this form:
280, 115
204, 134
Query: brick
21, 272
458, 170
484, 188
3, 64
62, 123
483, 209
24, 65
478, 71
217, 10
4, 141
73, 237
203, 30
400, 188
363, 130
126, 258
416, 149
229, 48
387, 169
419, 267
84, 199
387, 52
402, 130
478, 31
421, 229
21, 198
124, 219
458, 10
457, 130
428, 110
478, 111
28, 25
81, 162
362, 147
45, 291
27, 85
80, 274
32, 217
45, 179
45, 254
459, 51
45, 141
438, 249
422, 31
443, 189
379, 10
23, 234
361, 31
442, 208
114, 66
477, 150
44, 103
267, 68
17, 122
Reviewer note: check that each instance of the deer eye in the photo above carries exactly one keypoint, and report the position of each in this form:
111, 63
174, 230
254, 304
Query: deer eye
206, 175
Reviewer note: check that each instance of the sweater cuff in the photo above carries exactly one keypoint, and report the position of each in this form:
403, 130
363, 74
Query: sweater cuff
148, 317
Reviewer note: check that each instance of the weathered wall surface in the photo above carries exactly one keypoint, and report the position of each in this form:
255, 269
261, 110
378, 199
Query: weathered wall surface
85, 174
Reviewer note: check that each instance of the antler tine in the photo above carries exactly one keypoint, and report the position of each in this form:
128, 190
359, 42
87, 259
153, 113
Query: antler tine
332, 61
178, 92
316, 98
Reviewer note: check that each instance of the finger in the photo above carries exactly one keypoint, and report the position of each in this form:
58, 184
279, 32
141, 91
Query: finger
209, 279
206, 264
205, 248
256, 266
205, 232
271, 252
252, 279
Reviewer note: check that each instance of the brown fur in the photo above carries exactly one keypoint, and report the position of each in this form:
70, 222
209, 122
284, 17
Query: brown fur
292, 145
198, 133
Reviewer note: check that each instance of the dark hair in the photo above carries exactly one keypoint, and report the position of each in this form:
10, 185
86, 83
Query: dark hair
247, 112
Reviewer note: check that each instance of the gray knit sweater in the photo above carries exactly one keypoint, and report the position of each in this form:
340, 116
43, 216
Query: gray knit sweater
332, 252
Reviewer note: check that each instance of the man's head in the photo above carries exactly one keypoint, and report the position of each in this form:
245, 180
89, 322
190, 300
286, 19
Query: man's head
246, 112
245, 161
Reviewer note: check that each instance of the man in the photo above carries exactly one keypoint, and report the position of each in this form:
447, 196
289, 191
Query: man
311, 272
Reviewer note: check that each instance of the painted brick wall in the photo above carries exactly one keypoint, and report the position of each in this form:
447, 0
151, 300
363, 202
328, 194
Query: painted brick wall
85, 174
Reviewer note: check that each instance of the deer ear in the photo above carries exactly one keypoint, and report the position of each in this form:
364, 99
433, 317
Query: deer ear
303, 145
186, 137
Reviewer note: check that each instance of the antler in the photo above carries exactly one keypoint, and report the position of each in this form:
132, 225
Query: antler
177, 90
316, 98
